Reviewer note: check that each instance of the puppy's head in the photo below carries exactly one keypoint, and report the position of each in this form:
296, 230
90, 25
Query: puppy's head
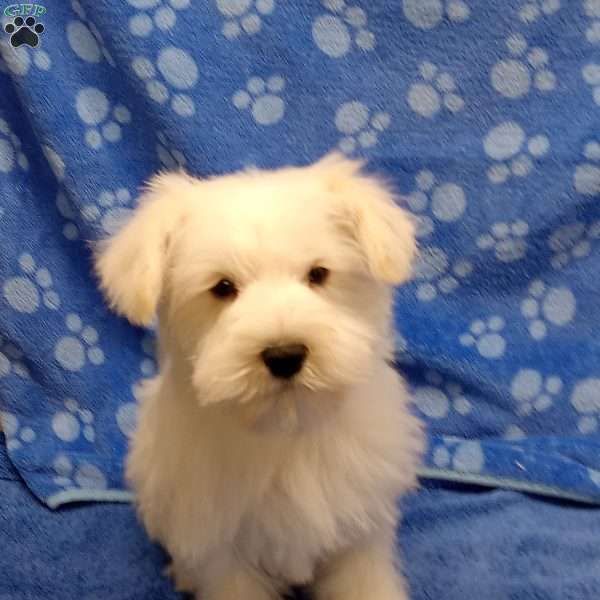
268, 283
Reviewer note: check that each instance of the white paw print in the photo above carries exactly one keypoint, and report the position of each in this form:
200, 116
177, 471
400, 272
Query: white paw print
163, 15
94, 109
585, 399
463, 456
169, 156
25, 292
435, 274
73, 351
16, 436
532, 10
513, 77
485, 336
436, 399
506, 239
592, 11
126, 415
69, 423
586, 178
263, 99
179, 72
514, 433
591, 75
427, 14
111, 210
334, 33
11, 155
570, 242
67, 210
11, 360
504, 144
85, 39
243, 16
436, 89
353, 119
18, 61
544, 306
534, 392
148, 364
85, 476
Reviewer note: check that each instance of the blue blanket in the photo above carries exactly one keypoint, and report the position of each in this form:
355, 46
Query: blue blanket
486, 117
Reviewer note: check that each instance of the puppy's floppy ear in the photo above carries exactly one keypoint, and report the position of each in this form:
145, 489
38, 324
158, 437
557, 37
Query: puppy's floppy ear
131, 264
366, 209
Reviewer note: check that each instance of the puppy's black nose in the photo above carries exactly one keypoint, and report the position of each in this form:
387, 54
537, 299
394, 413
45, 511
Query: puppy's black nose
284, 361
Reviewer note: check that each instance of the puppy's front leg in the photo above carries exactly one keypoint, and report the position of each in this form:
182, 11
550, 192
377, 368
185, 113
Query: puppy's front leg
365, 571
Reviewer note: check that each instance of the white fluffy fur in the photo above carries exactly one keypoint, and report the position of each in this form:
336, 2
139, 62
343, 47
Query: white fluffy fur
253, 483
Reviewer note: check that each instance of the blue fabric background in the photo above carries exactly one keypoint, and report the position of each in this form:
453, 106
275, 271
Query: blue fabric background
486, 117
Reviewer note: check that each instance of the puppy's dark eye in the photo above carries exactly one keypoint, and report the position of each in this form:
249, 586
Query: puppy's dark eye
318, 275
224, 289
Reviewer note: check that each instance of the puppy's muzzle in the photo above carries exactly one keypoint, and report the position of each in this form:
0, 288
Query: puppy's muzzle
284, 361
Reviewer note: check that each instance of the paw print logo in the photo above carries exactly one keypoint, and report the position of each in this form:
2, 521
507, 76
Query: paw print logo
11, 154
573, 241
170, 157
68, 424
75, 349
462, 456
24, 31
592, 12
591, 75
587, 175
533, 392
546, 306
85, 39
95, 110
263, 99
507, 240
86, 475
436, 89
11, 360
532, 10
513, 77
111, 210
178, 71
585, 399
163, 15
445, 202
486, 337
505, 143
24, 293
335, 33
243, 16
359, 127
438, 398
16, 435
428, 14
67, 210
435, 274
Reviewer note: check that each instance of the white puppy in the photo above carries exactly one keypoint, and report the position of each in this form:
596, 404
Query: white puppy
274, 444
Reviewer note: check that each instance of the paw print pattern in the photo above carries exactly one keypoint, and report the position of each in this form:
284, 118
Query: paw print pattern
585, 399
532, 10
126, 415
94, 109
435, 274
178, 71
335, 33
16, 436
263, 99
513, 77
24, 293
243, 16
85, 39
169, 156
445, 202
436, 89
67, 210
68, 424
19, 61
534, 392
86, 475
428, 14
587, 175
11, 360
507, 240
570, 242
591, 75
111, 210
592, 12
74, 350
504, 144
154, 13
463, 456
11, 153
438, 398
485, 337
359, 127
24, 31
544, 306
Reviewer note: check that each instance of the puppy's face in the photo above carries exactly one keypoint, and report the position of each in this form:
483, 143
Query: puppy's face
267, 283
